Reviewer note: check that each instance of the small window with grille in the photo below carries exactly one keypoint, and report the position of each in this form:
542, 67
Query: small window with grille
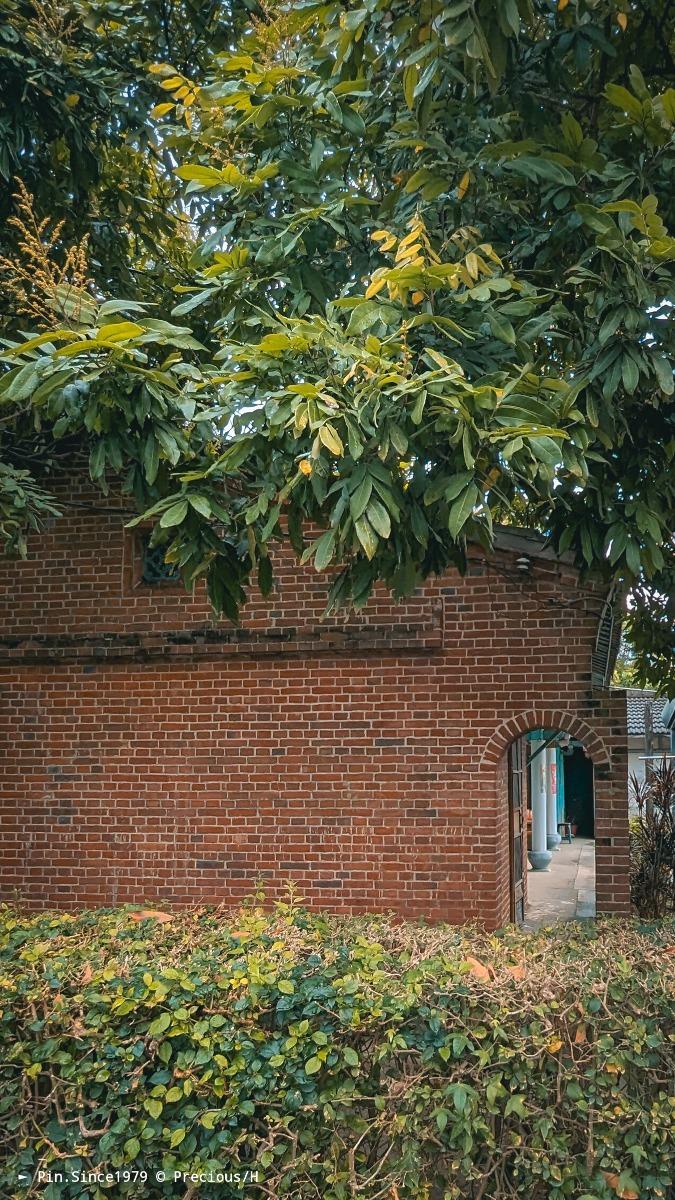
154, 570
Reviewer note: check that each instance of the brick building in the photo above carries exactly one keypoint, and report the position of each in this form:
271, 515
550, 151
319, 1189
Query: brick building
152, 753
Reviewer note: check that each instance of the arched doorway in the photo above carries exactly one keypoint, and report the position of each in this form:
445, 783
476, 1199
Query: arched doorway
559, 872
586, 790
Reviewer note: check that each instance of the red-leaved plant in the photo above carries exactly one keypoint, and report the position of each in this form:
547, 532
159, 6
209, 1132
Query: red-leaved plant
652, 842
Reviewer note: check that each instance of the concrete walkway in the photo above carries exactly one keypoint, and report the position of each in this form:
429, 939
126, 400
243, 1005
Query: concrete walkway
566, 892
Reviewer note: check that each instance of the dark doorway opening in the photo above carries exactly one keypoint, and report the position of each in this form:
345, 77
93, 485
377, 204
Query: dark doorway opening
579, 792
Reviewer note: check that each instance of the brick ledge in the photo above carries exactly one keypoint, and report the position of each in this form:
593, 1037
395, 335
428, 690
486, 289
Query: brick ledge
214, 643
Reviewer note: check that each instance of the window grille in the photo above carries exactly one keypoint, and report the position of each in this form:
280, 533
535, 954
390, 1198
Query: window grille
154, 569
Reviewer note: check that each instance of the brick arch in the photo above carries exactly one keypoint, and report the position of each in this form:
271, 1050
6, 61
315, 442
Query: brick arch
545, 718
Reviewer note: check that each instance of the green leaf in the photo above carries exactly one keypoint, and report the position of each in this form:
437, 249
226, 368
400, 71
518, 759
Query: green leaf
313, 1065
541, 169
360, 497
456, 484
265, 575
595, 219
418, 407
398, 438
629, 373
367, 536
201, 504
97, 459
352, 120
324, 548
633, 558
621, 98
192, 302
502, 328
159, 1025
174, 515
663, 369
286, 987
462, 508
379, 518
151, 458
365, 315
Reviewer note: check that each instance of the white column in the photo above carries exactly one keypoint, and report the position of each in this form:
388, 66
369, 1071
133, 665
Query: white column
552, 835
539, 855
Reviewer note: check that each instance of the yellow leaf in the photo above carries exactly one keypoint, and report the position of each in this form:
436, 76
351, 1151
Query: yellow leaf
160, 110
463, 185
380, 235
148, 913
410, 238
621, 20
478, 968
169, 84
330, 438
471, 264
386, 242
72, 100
305, 467
375, 286
562, 5
554, 1045
614, 1182
406, 252
417, 297
160, 68
612, 1068
410, 77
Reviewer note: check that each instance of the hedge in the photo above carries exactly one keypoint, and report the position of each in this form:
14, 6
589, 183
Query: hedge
334, 1059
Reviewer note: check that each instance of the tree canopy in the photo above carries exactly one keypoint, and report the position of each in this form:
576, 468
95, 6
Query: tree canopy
409, 274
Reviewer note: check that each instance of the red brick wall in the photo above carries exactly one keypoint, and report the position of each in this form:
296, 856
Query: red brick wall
154, 754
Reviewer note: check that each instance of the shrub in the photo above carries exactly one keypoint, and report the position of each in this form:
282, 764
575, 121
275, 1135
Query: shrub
652, 843
336, 1058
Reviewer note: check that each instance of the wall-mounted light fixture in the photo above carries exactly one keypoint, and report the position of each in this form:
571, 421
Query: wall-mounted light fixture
524, 565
